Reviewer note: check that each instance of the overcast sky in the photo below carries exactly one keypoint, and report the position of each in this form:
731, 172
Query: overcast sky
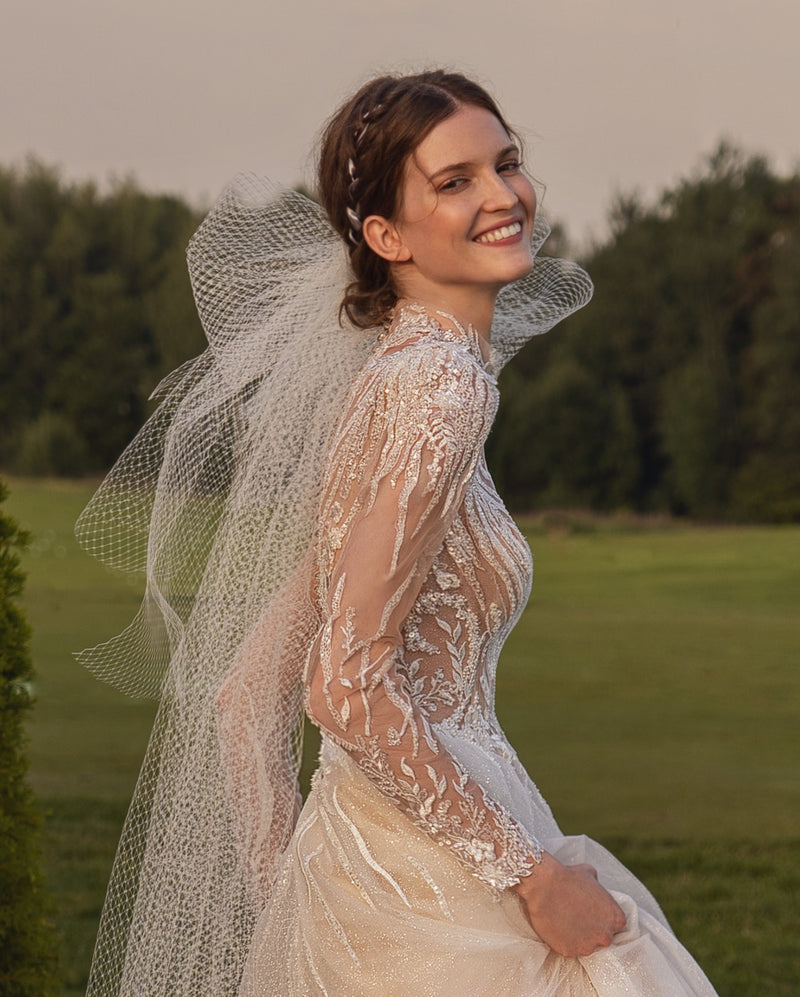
610, 94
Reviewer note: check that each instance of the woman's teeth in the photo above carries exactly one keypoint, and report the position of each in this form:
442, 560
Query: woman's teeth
500, 233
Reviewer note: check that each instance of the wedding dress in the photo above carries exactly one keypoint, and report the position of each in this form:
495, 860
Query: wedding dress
311, 494
420, 814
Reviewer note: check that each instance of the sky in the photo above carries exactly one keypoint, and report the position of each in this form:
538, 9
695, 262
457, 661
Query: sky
610, 95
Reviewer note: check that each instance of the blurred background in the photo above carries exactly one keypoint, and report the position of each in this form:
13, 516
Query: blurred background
667, 140
650, 445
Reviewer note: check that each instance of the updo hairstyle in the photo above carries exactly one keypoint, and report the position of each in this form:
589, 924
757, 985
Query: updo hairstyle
363, 154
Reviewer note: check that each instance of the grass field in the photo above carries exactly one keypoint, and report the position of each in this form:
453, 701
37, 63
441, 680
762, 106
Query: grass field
652, 688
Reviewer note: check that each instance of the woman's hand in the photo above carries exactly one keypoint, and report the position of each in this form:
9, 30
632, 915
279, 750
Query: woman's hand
568, 909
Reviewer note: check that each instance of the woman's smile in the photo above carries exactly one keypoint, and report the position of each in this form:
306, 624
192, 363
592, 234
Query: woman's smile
502, 234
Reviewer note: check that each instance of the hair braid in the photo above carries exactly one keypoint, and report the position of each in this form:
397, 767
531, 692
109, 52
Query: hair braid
363, 156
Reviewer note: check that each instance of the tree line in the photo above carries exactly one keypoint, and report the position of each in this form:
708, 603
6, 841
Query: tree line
95, 306
674, 391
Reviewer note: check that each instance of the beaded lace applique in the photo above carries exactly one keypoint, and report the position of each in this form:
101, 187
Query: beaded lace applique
422, 574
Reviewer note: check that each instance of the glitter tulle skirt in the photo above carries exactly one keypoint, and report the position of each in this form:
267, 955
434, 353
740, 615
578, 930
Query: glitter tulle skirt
366, 904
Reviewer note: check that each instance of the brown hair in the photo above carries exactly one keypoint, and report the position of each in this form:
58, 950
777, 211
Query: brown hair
364, 149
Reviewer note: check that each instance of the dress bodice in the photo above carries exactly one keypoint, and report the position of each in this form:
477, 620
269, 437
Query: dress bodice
473, 595
421, 575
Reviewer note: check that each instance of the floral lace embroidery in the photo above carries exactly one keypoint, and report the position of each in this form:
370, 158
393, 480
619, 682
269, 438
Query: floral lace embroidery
422, 573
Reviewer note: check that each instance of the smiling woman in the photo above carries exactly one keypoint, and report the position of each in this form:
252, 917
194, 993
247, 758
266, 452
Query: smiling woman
463, 229
361, 567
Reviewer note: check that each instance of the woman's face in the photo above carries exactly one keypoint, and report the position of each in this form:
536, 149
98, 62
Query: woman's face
466, 211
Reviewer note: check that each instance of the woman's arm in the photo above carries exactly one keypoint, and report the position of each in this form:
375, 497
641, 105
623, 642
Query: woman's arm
258, 706
397, 479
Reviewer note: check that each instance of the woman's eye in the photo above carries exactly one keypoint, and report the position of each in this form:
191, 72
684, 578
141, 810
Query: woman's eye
511, 166
455, 184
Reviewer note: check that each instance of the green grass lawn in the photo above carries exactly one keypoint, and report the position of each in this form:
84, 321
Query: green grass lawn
652, 689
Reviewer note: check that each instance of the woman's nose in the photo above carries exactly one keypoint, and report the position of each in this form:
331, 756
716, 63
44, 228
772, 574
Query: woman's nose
499, 194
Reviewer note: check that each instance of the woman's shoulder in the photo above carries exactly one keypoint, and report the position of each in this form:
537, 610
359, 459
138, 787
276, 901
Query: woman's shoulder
418, 385
430, 346
427, 373
421, 376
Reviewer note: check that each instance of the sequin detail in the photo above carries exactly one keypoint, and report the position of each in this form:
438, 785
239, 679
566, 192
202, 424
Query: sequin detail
422, 575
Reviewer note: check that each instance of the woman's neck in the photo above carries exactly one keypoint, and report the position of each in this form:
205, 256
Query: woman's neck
446, 317
468, 305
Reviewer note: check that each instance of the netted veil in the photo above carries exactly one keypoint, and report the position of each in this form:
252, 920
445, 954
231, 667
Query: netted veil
215, 500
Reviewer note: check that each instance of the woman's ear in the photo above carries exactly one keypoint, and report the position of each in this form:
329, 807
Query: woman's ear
383, 238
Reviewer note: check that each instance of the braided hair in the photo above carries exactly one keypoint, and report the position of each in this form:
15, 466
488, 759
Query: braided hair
363, 155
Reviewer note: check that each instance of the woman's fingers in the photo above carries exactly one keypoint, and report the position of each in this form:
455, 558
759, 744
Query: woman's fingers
569, 909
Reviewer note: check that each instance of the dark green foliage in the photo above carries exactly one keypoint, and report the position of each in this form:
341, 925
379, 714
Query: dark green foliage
676, 389
767, 485
27, 940
95, 306
50, 445
673, 391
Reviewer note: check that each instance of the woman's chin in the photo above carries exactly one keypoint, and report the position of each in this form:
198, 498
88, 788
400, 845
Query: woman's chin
518, 270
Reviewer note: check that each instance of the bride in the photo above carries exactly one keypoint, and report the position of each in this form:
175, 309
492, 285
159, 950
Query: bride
320, 532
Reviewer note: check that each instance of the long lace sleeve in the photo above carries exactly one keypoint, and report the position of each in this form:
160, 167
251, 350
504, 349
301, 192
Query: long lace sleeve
399, 472
258, 706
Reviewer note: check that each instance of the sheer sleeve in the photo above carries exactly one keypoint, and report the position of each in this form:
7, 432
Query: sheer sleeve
398, 474
259, 724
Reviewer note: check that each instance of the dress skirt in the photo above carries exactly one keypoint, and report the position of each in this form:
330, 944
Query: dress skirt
366, 904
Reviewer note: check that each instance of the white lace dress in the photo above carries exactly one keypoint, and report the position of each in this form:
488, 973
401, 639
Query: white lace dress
421, 816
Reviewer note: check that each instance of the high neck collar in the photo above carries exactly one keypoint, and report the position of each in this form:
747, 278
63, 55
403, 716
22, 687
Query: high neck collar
412, 320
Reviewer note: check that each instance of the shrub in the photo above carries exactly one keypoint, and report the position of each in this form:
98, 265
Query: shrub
27, 938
